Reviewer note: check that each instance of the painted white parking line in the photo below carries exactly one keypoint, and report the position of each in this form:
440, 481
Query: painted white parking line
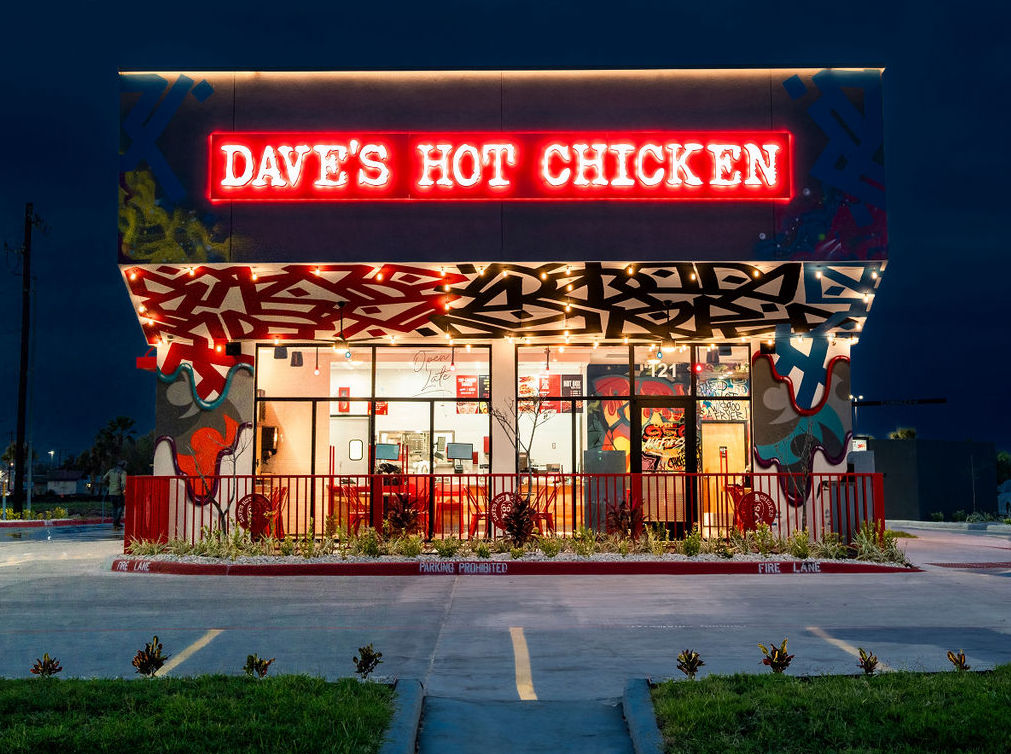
524, 681
844, 646
192, 649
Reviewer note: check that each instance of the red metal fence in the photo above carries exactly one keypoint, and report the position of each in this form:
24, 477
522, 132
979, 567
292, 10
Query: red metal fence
471, 505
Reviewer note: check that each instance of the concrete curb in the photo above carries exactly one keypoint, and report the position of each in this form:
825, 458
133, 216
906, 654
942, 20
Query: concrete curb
402, 735
38, 522
765, 568
638, 708
988, 526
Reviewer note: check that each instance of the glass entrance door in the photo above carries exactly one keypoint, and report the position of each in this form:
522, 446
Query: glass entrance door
665, 438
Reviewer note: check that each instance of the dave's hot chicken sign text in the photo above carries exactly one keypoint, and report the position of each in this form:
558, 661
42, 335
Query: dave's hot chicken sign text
343, 166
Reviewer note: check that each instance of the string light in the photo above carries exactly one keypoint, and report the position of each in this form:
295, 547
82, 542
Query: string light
379, 276
315, 271
625, 340
277, 340
190, 271
253, 275
817, 274
874, 274
446, 287
468, 347
544, 276
218, 348
630, 270
756, 273
142, 308
693, 276
480, 271
596, 343
442, 272
133, 275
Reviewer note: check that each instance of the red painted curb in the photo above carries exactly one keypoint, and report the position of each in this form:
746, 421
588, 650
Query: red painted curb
53, 522
501, 568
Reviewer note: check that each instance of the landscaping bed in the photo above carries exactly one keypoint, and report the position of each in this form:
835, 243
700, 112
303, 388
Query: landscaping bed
213, 713
893, 712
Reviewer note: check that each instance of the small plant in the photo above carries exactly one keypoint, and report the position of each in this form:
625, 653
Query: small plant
959, 515
624, 518
47, 667
409, 546
830, 546
776, 657
287, 546
765, 541
149, 660
256, 666
692, 544
868, 661
446, 548
517, 552
654, 540
723, 550
689, 662
500, 546
937, 516
366, 543
482, 550
977, 517
799, 544
958, 660
367, 661
519, 521
402, 514
550, 546
584, 542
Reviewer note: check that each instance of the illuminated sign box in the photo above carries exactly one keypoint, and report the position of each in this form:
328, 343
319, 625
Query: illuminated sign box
497, 166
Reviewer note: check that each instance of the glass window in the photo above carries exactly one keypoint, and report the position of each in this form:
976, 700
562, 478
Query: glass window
284, 437
726, 371
663, 371
350, 371
443, 372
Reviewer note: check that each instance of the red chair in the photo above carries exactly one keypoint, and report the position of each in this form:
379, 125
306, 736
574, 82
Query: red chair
349, 495
477, 511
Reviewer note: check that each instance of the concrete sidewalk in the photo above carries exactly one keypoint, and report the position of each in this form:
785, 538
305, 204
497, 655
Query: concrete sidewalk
452, 726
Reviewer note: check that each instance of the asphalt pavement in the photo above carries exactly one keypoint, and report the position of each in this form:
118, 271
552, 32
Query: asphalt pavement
548, 638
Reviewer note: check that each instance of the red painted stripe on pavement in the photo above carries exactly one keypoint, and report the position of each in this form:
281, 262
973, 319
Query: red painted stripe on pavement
500, 568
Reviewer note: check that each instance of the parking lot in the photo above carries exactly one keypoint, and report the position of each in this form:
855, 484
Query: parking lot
465, 636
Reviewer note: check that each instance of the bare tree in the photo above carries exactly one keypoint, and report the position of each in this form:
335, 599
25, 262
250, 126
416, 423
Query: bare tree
507, 417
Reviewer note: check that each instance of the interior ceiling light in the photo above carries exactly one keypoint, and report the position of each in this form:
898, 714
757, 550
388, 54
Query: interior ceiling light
452, 358
315, 371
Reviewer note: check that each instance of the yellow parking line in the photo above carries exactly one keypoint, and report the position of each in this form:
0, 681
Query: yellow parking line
179, 659
524, 681
844, 646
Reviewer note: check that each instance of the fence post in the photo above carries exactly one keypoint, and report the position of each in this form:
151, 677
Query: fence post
878, 484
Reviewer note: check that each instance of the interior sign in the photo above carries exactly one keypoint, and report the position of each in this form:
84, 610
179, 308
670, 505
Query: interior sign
494, 166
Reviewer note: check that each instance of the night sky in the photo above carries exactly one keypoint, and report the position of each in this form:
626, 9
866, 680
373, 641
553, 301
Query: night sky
940, 322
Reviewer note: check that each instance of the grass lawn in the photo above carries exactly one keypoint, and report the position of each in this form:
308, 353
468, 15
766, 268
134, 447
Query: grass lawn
894, 712
213, 713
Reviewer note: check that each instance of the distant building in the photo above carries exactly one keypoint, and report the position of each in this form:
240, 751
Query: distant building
929, 476
66, 482
1004, 498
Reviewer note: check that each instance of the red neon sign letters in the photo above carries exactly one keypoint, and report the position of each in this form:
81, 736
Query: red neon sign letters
344, 166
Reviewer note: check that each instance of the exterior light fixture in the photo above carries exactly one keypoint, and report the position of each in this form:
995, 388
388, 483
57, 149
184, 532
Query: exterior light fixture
625, 340
480, 271
568, 287
874, 274
630, 270
468, 347
252, 274
693, 276
756, 273
544, 276
379, 276
817, 274
596, 343
133, 274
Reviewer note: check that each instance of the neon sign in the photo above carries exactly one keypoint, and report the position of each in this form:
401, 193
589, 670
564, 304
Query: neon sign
496, 166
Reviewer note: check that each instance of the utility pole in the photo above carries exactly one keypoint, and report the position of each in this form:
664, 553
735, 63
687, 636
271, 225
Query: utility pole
31, 220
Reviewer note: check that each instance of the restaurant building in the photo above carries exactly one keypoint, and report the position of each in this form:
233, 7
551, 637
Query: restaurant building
458, 277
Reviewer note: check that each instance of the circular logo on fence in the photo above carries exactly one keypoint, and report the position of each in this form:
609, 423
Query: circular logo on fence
500, 506
251, 513
762, 507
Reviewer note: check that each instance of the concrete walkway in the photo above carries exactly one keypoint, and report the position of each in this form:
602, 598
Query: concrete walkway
452, 726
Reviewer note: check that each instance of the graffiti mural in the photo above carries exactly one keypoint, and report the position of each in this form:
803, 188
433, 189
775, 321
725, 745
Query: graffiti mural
788, 435
206, 304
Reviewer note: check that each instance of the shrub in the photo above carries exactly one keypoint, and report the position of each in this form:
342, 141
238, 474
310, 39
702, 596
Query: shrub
692, 544
402, 514
367, 661
958, 660
937, 516
867, 544
799, 544
689, 662
517, 552
654, 540
868, 661
149, 660
47, 667
978, 518
830, 546
519, 521
584, 542
482, 550
742, 542
146, 547
446, 548
776, 657
624, 518
550, 546
256, 666
287, 546
959, 515
366, 543
409, 546
765, 540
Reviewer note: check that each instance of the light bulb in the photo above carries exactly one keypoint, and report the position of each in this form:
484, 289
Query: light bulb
316, 371
347, 354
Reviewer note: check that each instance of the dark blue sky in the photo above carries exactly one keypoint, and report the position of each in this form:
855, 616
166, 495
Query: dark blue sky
940, 323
